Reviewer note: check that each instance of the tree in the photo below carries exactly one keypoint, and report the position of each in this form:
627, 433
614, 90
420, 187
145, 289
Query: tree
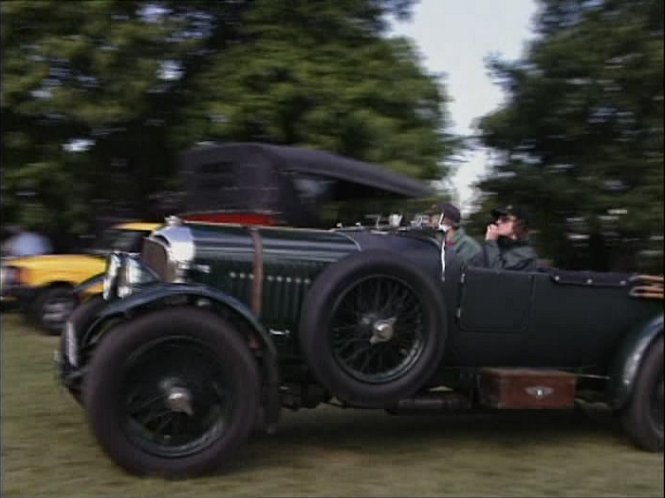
321, 74
86, 100
99, 97
580, 141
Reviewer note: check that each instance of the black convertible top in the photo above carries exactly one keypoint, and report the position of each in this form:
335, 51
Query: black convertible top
277, 178
282, 158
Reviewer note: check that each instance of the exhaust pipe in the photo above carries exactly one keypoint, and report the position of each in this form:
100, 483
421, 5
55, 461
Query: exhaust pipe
441, 401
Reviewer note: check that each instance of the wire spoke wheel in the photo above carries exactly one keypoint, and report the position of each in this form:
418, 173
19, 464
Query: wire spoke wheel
373, 328
172, 392
173, 398
378, 329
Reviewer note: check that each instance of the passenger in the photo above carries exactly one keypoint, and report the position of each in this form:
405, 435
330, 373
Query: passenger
507, 244
25, 243
448, 219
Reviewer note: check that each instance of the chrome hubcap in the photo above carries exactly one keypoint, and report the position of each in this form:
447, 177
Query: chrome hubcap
382, 330
178, 398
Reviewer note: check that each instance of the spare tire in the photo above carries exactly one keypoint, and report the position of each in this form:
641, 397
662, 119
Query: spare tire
373, 328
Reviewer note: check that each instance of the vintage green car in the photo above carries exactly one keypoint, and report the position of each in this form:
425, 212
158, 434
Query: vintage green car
213, 329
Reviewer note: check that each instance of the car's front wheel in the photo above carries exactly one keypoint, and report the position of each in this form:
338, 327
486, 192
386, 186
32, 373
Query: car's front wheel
172, 393
642, 417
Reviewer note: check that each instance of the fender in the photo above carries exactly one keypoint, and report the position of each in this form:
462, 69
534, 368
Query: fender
626, 361
88, 285
165, 292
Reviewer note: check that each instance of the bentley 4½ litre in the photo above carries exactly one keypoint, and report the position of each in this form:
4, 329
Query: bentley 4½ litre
213, 329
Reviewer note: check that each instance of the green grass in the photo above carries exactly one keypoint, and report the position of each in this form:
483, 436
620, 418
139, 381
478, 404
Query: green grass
47, 449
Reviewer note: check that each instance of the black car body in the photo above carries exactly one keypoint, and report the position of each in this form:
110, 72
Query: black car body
217, 326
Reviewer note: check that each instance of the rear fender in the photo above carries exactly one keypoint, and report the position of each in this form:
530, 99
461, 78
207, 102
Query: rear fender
162, 295
627, 359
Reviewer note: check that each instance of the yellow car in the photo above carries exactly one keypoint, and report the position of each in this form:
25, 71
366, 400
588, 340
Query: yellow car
42, 284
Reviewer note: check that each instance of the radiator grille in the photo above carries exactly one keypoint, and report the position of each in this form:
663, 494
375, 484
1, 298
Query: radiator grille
155, 256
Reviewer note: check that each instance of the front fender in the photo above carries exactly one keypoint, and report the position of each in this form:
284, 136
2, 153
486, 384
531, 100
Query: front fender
626, 361
161, 292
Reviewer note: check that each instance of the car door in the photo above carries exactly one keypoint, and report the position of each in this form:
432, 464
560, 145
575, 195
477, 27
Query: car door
492, 316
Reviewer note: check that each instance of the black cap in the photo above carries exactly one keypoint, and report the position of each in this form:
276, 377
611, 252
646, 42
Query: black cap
451, 212
511, 210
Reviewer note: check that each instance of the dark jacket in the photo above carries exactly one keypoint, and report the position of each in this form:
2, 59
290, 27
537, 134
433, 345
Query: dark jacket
507, 254
464, 246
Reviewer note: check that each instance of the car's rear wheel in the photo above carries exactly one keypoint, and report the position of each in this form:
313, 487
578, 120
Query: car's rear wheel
172, 393
642, 417
373, 328
52, 307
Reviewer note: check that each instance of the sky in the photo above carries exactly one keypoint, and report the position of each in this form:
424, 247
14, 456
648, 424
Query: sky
454, 37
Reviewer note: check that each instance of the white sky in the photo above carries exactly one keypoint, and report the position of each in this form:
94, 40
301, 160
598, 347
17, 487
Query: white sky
454, 38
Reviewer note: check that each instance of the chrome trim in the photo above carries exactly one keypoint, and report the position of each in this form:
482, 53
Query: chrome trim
113, 266
71, 346
347, 236
132, 275
180, 248
173, 221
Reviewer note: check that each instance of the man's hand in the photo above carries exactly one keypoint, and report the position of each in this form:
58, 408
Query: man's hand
492, 232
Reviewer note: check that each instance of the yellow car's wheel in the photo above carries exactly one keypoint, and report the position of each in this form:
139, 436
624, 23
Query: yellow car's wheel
52, 307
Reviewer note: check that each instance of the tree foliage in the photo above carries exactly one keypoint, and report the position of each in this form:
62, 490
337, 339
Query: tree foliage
321, 74
99, 97
580, 141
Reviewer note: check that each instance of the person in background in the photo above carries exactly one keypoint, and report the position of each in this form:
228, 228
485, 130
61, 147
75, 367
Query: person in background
25, 243
507, 244
448, 219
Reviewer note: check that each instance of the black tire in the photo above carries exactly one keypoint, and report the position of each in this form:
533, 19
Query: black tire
172, 393
642, 417
81, 319
52, 307
339, 328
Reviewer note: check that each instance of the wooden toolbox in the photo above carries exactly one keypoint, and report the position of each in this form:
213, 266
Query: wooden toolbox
518, 388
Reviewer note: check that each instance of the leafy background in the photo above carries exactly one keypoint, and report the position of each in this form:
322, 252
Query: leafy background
98, 98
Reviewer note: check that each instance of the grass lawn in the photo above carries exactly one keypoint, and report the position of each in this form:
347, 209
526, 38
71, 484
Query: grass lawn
47, 449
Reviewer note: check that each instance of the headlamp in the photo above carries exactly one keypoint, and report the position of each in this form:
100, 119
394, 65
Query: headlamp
113, 265
131, 275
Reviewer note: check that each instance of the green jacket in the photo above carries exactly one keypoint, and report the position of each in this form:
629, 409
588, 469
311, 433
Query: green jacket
464, 246
507, 254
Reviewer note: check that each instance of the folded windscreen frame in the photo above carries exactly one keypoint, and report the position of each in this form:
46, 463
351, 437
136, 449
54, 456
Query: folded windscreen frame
285, 184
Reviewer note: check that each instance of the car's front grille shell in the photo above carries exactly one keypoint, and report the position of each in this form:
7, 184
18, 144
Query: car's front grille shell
155, 255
